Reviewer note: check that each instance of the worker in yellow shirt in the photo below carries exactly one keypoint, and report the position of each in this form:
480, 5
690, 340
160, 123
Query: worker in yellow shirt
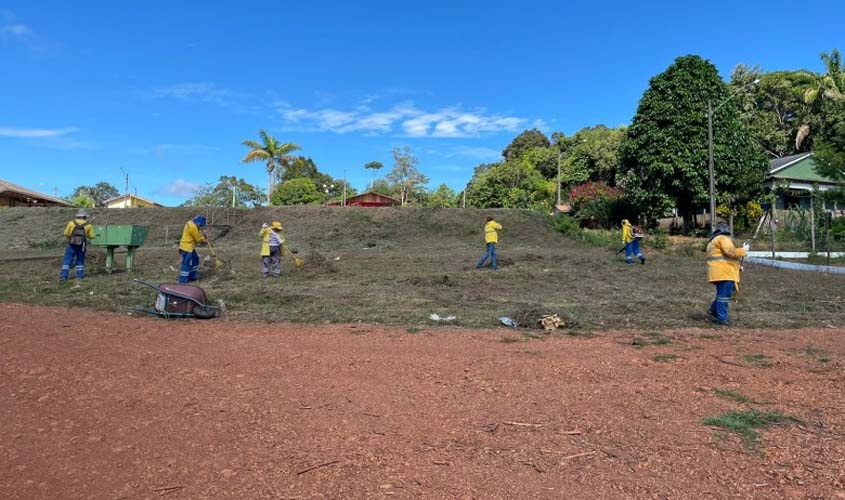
723, 261
491, 236
272, 240
77, 232
631, 239
191, 236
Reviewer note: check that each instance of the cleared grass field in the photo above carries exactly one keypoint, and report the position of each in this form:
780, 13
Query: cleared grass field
398, 266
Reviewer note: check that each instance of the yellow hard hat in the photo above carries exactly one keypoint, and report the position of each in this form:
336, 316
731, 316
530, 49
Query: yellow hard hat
277, 225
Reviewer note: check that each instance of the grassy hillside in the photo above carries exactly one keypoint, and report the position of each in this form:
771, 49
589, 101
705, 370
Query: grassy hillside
399, 266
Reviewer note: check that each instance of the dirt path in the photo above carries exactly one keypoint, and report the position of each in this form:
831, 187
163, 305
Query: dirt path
109, 406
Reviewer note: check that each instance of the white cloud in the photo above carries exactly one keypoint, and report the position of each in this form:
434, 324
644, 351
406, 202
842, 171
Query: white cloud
404, 119
205, 92
180, 188
30, 133
202, 91
16, 30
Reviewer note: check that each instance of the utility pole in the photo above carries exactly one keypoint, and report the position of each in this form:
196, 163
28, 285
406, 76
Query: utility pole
710, 165
343, 198
812, 222
710, 150
558, 177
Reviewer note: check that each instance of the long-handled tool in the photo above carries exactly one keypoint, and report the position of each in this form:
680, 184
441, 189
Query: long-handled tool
297, 261
218, 263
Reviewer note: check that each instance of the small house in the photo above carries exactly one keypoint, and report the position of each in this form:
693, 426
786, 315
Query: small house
130, 201
12, 195
794, 178
368, 199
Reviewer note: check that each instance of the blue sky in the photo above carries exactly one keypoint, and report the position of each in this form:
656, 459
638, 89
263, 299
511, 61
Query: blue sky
166, 91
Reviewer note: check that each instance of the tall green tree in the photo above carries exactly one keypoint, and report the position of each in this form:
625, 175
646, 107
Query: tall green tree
221, 194
544, 159
510, 184
271, 152
442, 197
664, 155
98, 193
525, 142
592, 154
300, 191
381, 186
408, 181
301, 166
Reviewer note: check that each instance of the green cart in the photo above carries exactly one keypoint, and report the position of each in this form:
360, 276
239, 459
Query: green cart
111, 237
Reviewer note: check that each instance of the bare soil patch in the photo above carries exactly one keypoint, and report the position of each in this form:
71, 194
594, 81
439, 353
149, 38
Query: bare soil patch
106, 406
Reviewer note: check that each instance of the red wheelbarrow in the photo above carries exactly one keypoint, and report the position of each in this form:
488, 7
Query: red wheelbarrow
175, 300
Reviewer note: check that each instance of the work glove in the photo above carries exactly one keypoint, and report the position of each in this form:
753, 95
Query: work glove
746, 247
264, 226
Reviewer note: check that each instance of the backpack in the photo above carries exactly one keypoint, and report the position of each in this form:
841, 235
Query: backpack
78, 236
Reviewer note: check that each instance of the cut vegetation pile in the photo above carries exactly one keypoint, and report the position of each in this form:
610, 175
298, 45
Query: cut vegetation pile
399, 266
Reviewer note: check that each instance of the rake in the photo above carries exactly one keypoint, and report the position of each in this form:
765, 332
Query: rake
297, 261
218, 263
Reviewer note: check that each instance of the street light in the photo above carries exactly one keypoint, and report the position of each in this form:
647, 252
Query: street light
710, 111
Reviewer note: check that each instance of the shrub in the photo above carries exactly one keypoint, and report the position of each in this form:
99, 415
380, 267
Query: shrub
659, 239
586, 193
566, 225
595, 214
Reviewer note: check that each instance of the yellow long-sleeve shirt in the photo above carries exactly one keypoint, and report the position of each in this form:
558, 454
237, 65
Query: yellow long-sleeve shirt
723, 259
491, 230
89, 229
264, 234
627, 233
190, 237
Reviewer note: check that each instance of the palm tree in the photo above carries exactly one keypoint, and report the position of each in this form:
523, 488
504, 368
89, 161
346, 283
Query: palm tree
830, 86
272, 152
374, 166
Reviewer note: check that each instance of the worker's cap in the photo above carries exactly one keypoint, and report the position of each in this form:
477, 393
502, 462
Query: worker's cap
625, 221
81, 214
276, 225
722, 228
199, 220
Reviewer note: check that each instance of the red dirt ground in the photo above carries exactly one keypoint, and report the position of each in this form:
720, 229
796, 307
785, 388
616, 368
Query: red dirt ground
110, 406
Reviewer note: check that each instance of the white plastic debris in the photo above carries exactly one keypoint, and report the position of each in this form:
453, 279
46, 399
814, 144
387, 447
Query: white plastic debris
508, 322
437, 317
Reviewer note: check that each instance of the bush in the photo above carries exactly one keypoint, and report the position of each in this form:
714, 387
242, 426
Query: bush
659, 239
595, 214
566, 225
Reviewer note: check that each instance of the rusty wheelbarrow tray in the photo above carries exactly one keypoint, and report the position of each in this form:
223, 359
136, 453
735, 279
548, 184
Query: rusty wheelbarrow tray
175, 300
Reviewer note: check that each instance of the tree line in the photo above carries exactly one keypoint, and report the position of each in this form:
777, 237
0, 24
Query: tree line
660, 161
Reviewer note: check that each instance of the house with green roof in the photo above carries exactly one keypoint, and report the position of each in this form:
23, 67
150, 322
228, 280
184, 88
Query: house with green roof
794, 178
